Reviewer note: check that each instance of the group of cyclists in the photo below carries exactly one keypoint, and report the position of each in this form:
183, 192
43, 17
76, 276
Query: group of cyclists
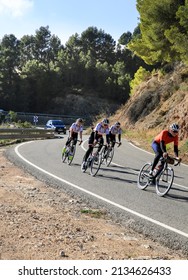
114, 131
100, 133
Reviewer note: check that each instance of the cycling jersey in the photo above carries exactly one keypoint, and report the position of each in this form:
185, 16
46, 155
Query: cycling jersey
76, 128
101, 129
115, 130
166, 137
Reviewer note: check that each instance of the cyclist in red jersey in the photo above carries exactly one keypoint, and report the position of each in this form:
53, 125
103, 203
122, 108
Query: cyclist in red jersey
161, 140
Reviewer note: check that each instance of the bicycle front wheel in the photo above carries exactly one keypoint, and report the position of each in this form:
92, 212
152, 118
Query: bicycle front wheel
109, 156
164, 181
143, 176
64, 154
71, 154
95, 165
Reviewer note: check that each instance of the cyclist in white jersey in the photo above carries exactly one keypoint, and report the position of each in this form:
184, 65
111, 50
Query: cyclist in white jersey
75, 128
115, 130
96, 136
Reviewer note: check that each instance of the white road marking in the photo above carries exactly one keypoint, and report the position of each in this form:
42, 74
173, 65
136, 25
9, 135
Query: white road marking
98, 196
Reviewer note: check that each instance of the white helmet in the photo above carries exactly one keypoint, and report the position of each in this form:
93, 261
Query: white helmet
174, 127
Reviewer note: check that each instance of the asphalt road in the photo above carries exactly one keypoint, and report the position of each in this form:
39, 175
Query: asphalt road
115, 187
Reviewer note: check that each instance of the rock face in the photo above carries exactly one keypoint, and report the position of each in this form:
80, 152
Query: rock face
158, 102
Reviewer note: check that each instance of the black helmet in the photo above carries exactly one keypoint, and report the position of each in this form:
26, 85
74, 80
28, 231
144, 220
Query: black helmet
117, 124
105, 121
174, 127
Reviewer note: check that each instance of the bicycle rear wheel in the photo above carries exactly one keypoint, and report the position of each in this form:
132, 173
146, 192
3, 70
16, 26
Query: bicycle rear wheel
164, 181
143, 176
71, 154
95, 165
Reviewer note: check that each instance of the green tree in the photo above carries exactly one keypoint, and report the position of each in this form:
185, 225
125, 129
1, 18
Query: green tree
125, 38
9, 64
159, 22
100, 44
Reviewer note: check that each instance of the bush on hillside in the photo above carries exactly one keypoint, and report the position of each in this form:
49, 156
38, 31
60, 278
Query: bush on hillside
141, 75
143, 105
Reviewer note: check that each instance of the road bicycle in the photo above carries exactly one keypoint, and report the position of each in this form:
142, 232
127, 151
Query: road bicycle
68, 152
93, 162
163, 175
108, 153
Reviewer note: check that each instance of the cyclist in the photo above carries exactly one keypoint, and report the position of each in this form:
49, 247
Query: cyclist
95, 137
113, 131
75, 128
159, 144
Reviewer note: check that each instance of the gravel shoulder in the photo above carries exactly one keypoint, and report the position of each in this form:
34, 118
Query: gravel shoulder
39, 221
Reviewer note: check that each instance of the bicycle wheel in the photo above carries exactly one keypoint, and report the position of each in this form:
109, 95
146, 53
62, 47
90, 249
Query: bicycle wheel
109, 156
64, 154
95, 164
103, 153
71, 154
143, 176
164, 181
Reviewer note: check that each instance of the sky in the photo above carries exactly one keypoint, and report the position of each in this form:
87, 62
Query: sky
67, 17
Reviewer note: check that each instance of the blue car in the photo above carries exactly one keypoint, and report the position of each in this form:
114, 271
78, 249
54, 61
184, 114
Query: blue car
57, 125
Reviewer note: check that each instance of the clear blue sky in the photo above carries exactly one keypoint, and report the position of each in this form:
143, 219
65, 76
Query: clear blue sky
67, 17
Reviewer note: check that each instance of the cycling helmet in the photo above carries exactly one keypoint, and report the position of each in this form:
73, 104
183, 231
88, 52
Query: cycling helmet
105, 121
174, 127
117, 124
80, 120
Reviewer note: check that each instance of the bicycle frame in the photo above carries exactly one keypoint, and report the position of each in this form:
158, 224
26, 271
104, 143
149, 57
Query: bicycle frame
108, 153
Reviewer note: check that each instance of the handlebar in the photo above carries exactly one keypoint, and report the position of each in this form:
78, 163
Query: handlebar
173, 160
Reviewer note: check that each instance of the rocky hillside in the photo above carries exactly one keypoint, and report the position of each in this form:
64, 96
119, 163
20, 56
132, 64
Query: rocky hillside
156, 103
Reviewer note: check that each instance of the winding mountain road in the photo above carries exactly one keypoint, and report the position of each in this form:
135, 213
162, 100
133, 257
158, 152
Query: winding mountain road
115, 187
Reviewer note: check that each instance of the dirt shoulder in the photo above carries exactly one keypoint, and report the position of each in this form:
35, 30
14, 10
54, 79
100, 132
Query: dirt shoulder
38, 221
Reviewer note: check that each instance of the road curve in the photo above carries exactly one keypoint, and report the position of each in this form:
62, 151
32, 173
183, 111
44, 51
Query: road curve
115, 187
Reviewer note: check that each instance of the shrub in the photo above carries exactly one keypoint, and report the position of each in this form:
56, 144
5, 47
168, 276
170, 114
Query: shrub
139, 77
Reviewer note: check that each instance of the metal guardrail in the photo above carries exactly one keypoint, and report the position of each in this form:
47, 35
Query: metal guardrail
26, 133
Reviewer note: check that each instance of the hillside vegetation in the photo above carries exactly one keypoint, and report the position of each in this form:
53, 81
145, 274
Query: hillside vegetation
156, 103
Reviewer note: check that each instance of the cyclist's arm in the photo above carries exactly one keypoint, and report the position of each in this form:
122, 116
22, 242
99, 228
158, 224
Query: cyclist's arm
119, 137
163, 148
95, 138
81, 136
176, 150
71, 132
108, 139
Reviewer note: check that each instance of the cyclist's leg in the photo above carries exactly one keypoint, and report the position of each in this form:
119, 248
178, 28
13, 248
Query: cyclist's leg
68, 141
66, 145
101, 142
88, 152
158, 154
75, 138
112, 138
